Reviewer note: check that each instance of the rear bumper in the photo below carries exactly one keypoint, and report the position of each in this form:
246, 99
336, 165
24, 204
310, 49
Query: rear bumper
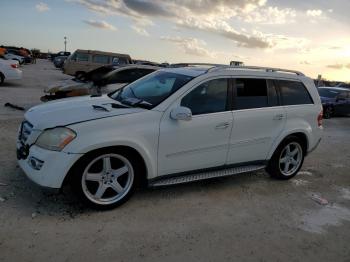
315, 146
14, 74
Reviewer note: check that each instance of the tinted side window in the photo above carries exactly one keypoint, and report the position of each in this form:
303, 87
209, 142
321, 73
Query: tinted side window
294, 93
101, 59
251, 93
209, 97
82, 57
272, 94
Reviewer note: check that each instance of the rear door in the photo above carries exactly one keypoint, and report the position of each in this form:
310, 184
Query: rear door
258, 118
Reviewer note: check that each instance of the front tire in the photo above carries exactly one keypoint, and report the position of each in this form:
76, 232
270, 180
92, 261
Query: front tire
105, 180
287, 159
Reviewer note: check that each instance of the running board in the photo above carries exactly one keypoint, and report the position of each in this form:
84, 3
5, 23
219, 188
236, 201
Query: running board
204, 175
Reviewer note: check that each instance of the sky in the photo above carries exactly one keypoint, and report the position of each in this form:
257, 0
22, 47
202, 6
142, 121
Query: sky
311, 36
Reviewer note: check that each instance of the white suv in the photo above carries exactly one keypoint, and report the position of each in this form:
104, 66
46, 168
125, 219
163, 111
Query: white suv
173, 126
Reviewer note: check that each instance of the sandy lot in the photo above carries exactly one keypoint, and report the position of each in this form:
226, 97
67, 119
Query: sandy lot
242, 218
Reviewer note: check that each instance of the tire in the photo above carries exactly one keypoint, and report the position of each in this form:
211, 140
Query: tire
102, 183
286, 164
2, 78
327, 112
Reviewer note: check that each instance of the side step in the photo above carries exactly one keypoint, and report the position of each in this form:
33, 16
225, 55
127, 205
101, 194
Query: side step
167, 181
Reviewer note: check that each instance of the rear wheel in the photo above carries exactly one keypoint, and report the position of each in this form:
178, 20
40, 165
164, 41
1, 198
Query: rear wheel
287, 159
328, 112
105, 180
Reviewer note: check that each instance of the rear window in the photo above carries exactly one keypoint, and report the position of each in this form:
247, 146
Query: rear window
325, 92
251, 93
293, 93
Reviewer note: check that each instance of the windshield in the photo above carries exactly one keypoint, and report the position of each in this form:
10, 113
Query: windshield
325, 92
152, 89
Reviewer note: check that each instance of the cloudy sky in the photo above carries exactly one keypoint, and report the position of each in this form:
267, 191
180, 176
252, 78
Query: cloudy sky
312, 36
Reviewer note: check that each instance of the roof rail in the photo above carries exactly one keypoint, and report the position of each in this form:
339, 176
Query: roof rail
197, 64
266, 69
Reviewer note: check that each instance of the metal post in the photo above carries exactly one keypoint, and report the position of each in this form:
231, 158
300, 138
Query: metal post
65, 44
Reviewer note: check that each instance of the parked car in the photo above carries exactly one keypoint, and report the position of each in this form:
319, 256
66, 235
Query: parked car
9, 70
25, 53
61, 53
59, 61
10, 56
83, 61
105, 79
335, 101
173, 126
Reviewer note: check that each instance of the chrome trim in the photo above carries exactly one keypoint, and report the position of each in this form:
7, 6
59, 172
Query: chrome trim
192, 151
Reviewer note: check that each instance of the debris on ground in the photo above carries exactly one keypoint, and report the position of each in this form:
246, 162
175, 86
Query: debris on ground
2, 199
14, 106
34, 215
318, 199
307, 173
3, 184
299, 182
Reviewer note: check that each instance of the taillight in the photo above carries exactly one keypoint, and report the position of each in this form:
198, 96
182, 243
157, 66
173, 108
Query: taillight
320, 118
14, 65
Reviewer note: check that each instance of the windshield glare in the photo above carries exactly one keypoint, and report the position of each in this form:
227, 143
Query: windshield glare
327, 92
153, 88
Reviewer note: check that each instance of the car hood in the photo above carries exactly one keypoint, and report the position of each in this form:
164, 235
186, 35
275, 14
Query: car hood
73, 110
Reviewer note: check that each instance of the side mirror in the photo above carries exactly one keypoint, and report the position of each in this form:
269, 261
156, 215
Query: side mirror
181, 113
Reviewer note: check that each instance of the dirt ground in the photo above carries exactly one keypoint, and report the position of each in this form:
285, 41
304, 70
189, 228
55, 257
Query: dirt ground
247, 217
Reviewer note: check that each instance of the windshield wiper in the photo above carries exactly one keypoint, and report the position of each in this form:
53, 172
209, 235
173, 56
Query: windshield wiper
136, 102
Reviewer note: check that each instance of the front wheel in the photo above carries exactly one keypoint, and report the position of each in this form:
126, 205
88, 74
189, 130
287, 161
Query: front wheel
287, 159
105, 180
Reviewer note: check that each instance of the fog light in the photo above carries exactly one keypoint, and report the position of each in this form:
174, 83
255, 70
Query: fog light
35, 163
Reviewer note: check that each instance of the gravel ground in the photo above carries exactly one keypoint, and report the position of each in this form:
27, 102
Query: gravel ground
242, 218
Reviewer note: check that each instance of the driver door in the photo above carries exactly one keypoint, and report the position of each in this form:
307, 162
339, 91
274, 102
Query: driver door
201, 142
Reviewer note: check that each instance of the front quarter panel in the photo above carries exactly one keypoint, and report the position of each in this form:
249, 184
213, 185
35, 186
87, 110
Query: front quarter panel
139, 131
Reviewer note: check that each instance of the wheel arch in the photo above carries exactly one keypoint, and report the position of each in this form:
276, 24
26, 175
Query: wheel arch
127, 149
302, 135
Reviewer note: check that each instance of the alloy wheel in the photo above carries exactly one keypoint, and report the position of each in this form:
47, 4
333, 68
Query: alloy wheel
107, 179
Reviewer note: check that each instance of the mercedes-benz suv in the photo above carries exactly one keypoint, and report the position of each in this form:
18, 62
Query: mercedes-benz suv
173, 126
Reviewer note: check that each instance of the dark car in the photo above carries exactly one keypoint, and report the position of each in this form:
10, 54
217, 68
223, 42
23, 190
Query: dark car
62, 53
59, 61
335, 101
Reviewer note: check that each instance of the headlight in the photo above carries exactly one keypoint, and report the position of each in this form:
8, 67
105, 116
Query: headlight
55, 139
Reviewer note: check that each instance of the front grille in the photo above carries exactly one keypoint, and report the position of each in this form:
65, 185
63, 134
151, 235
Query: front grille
26, 129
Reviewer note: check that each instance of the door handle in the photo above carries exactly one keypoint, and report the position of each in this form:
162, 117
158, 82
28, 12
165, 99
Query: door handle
222, 125
278, 117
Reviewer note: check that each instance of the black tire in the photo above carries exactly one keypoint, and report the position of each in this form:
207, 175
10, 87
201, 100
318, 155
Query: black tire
327, 112
274, 167
77, 173
2, 78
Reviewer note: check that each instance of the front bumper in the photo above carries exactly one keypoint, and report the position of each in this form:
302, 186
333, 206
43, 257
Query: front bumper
54, 168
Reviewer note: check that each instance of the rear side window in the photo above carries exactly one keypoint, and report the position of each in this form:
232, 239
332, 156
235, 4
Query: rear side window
82, 57
101, 59
293, 93
251, 93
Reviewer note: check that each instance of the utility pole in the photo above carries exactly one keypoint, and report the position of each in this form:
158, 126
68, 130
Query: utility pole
65, 44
